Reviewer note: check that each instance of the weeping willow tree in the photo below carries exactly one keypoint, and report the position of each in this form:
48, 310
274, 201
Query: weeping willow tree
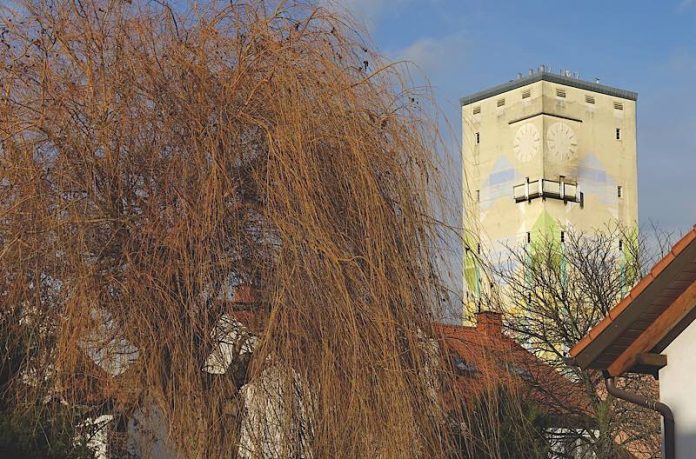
157, 167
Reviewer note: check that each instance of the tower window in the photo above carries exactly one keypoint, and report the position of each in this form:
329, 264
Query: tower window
560, 93
618, 106
619, 191
589, 99
526, 93
477, 110
478, 195
562, 236
620, 245
478, 138
618, 133
529, 237
501, 102
478, 249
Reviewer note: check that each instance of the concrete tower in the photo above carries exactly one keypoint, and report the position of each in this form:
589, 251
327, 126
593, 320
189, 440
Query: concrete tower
542, 154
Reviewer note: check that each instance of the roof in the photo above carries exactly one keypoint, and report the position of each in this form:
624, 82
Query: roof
655, 312
487, 357
553, 78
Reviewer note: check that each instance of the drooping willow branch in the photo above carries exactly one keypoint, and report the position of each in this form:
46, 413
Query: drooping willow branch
154, 164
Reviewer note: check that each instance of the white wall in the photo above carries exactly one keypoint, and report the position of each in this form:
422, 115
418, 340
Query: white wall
678, 389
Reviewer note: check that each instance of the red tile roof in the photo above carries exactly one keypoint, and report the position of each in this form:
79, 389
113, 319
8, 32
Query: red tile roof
491, 358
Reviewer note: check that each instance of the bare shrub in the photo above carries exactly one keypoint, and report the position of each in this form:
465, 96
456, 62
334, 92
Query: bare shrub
555, 292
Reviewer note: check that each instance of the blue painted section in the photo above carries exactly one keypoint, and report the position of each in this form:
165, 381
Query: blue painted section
594, 181
499, 183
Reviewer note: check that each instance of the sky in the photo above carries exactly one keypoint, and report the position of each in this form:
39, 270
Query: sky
647, 46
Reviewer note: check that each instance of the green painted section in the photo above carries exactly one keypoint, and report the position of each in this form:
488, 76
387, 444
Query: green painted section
546, 235
472, 273
630, 272
546, 227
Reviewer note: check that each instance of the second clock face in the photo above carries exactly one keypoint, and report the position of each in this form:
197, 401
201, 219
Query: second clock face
561, 142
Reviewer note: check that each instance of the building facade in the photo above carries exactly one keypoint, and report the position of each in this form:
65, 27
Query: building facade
543, 154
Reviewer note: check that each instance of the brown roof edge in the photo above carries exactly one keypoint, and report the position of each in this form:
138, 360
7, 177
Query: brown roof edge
635, 291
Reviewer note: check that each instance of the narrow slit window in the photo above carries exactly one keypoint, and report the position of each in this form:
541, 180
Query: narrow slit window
501, 102
620, 245
618, 106
478, 195
529, 237
590, 100
478, 249
526, 94
618, 133
562, 236
561, 93
478, 138
619, 191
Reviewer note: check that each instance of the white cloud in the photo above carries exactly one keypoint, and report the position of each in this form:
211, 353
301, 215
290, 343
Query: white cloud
366, 12
435, 56
686, 4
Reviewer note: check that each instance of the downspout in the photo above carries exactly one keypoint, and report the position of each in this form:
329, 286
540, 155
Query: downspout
664, 410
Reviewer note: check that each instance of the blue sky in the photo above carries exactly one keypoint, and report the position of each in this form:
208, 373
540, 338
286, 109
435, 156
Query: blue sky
648, 46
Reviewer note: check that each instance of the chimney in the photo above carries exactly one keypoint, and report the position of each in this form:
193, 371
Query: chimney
489, 322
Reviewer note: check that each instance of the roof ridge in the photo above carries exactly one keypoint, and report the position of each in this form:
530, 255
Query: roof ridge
551, 77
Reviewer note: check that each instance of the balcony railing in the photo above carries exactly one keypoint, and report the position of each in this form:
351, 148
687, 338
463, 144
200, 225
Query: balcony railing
543, 188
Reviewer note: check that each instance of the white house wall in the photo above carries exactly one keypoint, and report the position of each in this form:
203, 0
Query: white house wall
678, 390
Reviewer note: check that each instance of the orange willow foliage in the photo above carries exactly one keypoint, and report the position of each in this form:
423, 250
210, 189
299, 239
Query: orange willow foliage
152, 162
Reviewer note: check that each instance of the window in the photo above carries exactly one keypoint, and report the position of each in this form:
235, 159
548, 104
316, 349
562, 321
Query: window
562, 236
501, 102
477, 110
560, 93
620, 245
478, 249
619, 191
478, 138
529, 237
478, 195
589, 99
618, 106
618, 133
526, 94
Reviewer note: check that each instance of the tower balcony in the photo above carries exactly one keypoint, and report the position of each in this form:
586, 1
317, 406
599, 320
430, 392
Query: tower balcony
544, 188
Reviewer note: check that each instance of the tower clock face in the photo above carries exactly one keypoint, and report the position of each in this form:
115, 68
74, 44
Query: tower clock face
526, 143
561, 142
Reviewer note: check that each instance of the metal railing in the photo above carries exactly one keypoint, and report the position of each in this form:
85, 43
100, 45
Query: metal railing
543, 188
